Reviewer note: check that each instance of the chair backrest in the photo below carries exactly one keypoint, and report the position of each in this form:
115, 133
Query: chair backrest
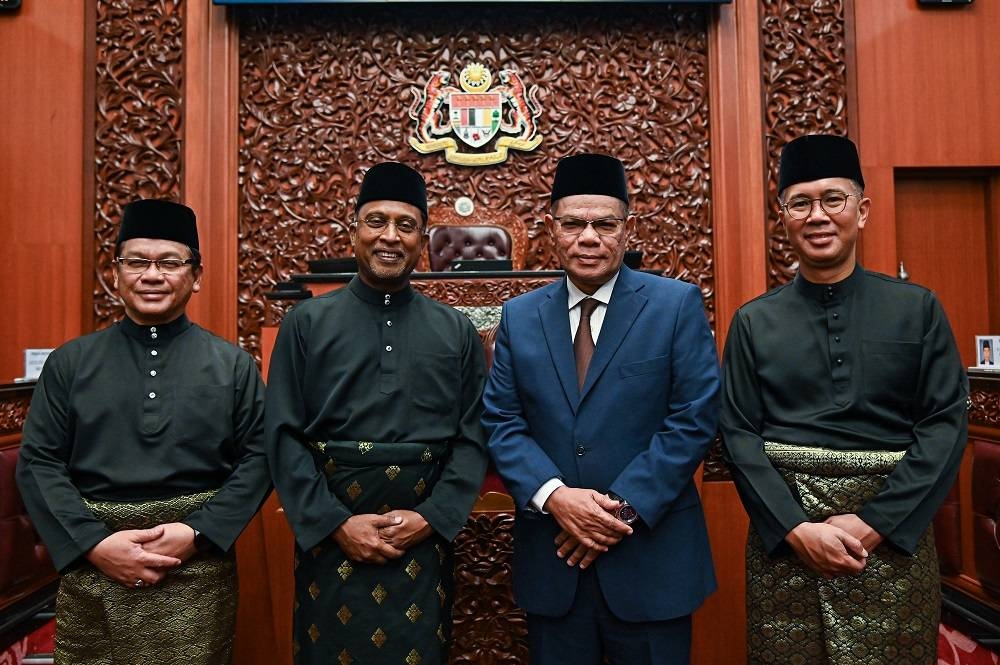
487, 234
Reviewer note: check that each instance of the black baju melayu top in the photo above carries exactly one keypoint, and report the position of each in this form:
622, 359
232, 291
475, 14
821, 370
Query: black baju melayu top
868, 363
134, 413
363, 365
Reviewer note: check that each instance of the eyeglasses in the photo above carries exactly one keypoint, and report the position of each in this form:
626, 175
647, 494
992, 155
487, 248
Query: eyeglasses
832, 203
135, 265
605, 226
405, 226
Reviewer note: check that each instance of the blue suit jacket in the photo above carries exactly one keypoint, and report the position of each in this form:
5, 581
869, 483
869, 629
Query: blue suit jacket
639, 427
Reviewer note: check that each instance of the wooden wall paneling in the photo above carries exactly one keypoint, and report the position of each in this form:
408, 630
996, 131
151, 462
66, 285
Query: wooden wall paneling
738, 167
993, 251
324, 94
941, 235
41, 153
138, 103
927, 88
877, 248
209, 177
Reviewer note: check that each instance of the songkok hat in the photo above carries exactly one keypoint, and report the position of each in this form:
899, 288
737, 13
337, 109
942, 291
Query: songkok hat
590, 174
392, 181
819, 156
159, 219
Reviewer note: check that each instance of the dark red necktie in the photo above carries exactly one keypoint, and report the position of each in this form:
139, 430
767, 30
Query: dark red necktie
583, 345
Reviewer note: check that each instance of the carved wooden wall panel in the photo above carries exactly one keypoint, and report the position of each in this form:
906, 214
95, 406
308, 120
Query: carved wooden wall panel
138, 108
985, 407
325, 93
804, 69
14, 404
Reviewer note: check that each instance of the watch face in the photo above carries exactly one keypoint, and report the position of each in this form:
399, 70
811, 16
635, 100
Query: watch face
627, 514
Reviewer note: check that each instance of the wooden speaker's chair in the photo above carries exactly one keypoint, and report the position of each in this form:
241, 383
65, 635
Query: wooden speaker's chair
485, 234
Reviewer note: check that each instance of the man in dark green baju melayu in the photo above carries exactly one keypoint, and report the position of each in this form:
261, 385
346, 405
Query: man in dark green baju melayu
143, 460
374, 399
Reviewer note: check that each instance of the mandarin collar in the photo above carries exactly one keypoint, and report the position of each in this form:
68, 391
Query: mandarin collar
161, 332
383, 298
826, 293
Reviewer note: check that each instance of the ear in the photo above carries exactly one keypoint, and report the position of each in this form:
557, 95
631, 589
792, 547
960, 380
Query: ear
198, 273
550, 225
630, 223
864, 207
114, 273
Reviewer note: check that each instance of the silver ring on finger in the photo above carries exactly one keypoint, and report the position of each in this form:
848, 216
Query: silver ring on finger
139, 583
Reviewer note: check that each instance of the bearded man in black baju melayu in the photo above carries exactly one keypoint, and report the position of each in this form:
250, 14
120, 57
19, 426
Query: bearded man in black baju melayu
143, 460
374, 399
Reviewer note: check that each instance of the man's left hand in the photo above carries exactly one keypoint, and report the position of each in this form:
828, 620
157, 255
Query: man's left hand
412, 530
177, 541
858, 528
571, 549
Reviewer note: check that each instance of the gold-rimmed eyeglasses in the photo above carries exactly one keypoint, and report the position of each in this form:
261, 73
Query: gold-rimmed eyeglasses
832, 203
574, 226
136, 265
378, 224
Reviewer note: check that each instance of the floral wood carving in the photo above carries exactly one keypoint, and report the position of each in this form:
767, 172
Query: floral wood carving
137, 133
488, 626
804, 74
13, 411
985, 407
325, 93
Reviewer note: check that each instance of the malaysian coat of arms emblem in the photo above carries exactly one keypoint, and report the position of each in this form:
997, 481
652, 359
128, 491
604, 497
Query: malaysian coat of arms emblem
476, 115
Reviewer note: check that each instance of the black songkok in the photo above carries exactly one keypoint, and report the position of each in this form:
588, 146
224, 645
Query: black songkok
392, 181
590, 174
160, 220
819, 156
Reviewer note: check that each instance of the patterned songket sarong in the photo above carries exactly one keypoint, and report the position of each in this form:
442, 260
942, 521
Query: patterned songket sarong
187, 619
887, 614
365, 614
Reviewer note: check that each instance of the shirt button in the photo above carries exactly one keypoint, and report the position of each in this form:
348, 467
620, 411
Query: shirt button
153, 335
837, 338
388, 323
152, 395
840, 361
388, 347
581, 451
836, 316
153, 352
152, 372
152, 329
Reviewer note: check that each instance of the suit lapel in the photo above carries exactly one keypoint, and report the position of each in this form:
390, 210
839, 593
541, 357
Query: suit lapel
625, 305
554, 314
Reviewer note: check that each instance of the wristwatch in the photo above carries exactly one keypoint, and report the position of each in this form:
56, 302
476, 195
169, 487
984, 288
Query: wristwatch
201, 541
625, 512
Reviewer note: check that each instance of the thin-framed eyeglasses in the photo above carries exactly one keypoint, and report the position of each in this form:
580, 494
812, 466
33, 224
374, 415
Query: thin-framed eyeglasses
832, 203
378, 224
605, 226
136, 265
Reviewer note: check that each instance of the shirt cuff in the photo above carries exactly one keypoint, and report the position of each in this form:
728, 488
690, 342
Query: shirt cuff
544, 492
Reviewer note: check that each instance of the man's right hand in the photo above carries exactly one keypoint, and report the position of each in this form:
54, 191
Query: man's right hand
827, 549
359, 538
584, 515
121, 557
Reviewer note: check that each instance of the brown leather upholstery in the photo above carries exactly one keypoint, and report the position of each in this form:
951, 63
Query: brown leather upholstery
24, 561
485, 234
448, 243
985, 513
948, 534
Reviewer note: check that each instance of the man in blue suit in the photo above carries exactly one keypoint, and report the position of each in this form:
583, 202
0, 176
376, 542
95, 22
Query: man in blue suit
600, 405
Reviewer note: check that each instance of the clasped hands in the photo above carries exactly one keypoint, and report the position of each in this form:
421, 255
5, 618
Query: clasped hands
145, 555
588, 526
840, 545
369, 538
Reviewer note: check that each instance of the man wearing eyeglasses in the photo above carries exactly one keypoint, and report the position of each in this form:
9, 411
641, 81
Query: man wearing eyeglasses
600, 405
143, 460
844, 420
373, 406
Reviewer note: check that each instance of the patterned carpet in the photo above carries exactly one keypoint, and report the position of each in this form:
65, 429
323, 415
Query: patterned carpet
954, 648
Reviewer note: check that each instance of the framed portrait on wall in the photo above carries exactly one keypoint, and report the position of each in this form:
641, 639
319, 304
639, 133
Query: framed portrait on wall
987, 349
